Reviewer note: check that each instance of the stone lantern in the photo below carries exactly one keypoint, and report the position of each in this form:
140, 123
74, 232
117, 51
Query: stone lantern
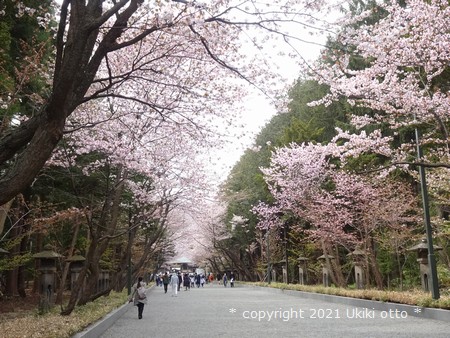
284, 270
358, 259
273, 273
276, 270
325, 270
103, 277
76, 264
47, 268
422, 259
302, 270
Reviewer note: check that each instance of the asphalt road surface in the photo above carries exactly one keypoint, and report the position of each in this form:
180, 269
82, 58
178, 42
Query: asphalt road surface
215, 311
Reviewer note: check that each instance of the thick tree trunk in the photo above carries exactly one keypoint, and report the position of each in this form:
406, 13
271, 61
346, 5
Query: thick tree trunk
11, 283
334, 266
12, 275
4, 209
74, 295
21, 270
78, 57
28, 164
374, 266
39, 245
100, 238
66, 268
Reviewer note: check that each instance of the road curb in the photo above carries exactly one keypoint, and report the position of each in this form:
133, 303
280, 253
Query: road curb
96, 329
416, 311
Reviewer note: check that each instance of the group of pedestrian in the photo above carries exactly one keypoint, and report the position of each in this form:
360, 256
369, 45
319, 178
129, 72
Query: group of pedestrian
175, 280
225, 280
187, 280
200, 280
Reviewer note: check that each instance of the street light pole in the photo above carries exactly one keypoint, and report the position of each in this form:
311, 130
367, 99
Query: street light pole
129, 264
286, 233
269, 268
428, 228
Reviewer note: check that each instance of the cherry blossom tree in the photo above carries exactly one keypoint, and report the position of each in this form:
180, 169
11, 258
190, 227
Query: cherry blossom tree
295, 179
405, 82
167, 37
407, 61
332, 207
158, 174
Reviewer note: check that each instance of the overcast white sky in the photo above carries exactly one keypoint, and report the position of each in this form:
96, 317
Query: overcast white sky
258, 112
258, 109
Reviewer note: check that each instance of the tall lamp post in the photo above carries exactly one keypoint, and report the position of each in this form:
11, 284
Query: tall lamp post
286, 233
269, 267
428, 228
129, 264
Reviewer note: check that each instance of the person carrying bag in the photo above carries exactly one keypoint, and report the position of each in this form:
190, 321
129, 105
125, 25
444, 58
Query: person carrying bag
139, 297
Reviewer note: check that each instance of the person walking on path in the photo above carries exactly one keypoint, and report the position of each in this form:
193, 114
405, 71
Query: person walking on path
139, 297
225, 280
165, 280
180, 281
174, 284
186, 282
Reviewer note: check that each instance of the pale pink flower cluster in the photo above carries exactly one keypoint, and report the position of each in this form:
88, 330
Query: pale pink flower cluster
406, 52
306, 187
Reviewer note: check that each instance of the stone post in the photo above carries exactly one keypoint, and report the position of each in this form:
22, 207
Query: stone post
76, 264
422, 259
302, 270
284, 271
325, 271
358, 260
47, 284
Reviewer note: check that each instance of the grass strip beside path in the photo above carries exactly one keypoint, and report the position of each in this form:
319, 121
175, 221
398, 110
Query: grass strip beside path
53, 325
411, 297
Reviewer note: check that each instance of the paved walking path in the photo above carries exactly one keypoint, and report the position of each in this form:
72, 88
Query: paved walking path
215, 311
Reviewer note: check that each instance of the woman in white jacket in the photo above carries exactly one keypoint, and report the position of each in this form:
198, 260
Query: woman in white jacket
174, 284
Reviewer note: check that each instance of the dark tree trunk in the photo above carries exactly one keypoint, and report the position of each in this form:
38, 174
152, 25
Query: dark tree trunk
28, 164
21, 276
78, 58
39, 246
86, 285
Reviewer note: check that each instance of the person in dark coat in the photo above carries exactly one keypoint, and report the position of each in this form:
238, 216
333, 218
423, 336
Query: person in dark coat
165, 280
197, 280
180, 280
186, 282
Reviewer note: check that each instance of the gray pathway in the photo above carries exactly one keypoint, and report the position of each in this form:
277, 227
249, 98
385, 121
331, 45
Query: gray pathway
215, 311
